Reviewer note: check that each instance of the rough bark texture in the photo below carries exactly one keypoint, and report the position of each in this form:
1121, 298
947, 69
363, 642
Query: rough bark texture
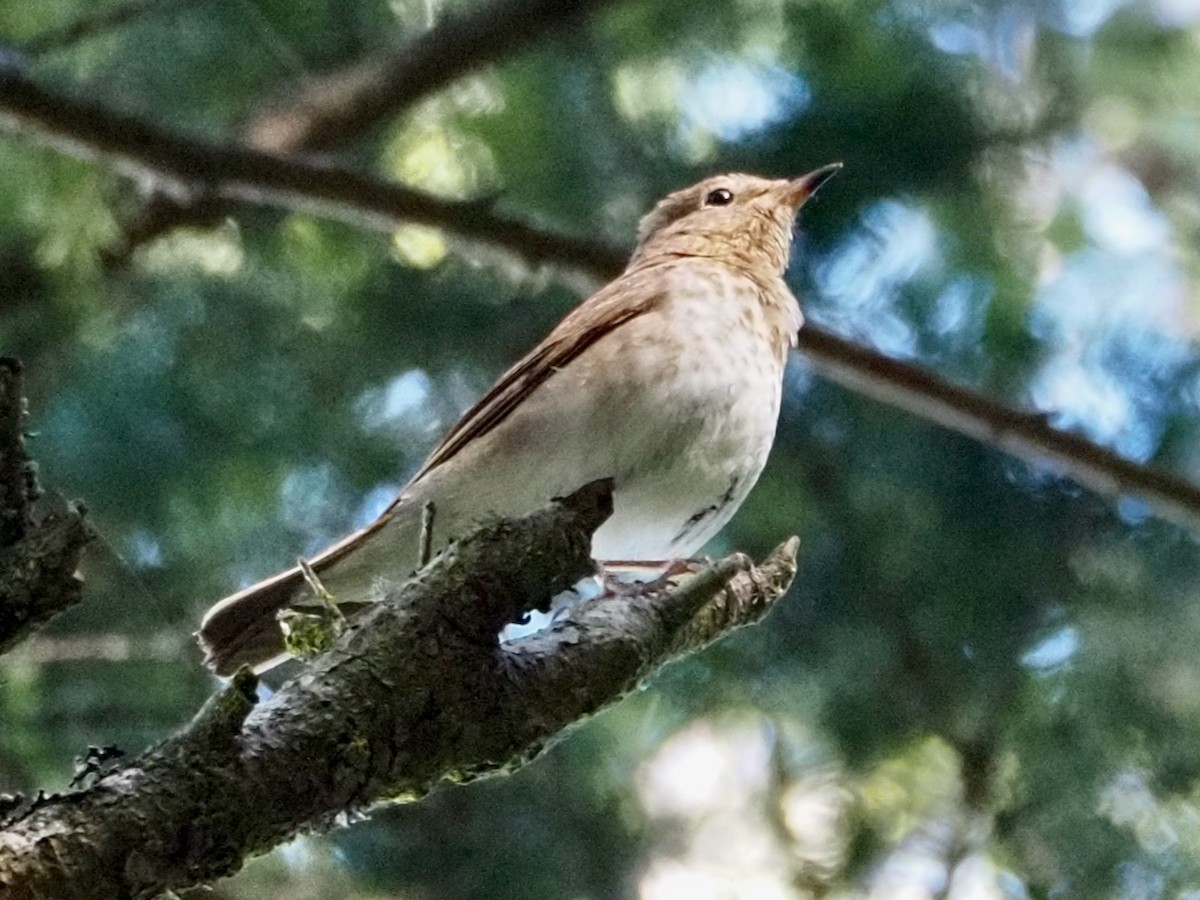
38, 554
417, 692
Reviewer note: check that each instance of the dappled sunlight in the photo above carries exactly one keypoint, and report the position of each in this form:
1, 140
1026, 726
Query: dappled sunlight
978, 878
419, 246
1007, 42
816, 808
145, 550
218, 252
735, 817
1110, 310
313, 502
1112, 306
1166, 828
903, 793
708, 106
731, 101
405, 396
373, 504
324, 268
430, 153
674, 880
1054, 651
703, 771
304, 869
413, 408
1083, 18
860, 280
736, 830
1176, 13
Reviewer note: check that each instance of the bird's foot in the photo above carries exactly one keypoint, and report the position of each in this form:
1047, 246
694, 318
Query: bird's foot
619, 576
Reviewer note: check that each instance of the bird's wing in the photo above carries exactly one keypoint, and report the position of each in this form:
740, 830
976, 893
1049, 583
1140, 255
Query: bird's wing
242, 628
630, 296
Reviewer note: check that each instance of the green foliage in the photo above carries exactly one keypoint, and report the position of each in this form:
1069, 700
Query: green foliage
982, 669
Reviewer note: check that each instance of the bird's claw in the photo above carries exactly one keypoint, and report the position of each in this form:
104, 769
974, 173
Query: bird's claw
615, 574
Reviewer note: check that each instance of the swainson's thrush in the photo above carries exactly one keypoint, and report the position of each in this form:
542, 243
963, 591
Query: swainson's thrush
667, 380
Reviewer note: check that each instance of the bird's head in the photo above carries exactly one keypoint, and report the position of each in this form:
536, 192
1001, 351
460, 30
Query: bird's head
743, 218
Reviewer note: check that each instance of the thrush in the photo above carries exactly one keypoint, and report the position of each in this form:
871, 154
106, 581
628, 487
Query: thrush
667, 381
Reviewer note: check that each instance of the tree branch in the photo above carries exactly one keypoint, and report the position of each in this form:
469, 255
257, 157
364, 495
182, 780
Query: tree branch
335, 109
338, 107
18, 479
250, 176
197, 168
416, 692
38, 554
1026, 435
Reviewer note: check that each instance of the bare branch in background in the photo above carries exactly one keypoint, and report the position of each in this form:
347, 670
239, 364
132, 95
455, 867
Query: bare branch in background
193, 167
391, 710
251, 176
1026, 435
110, 647
334, 109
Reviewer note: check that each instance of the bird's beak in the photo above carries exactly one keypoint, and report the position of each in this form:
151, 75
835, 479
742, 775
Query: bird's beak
796, 192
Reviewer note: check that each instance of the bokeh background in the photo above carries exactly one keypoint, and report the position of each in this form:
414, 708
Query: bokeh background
985, 683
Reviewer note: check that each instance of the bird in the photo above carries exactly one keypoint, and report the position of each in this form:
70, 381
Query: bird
667, 381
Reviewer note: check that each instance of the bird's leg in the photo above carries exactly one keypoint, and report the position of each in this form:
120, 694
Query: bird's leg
667, 570
425, 543
310, 629
319, 590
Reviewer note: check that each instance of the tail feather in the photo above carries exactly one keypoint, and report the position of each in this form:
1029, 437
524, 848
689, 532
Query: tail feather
243, 629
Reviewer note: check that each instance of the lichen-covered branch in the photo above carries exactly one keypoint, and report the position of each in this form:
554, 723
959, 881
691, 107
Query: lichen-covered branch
38, 554
417, 691
747, 597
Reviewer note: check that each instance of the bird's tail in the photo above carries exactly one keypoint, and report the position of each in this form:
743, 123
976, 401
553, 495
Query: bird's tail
243, 629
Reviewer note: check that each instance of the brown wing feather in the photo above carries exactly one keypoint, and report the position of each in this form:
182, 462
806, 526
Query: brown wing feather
626, 298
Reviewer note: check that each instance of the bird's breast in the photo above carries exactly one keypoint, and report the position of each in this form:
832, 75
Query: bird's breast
677, 405
697, 416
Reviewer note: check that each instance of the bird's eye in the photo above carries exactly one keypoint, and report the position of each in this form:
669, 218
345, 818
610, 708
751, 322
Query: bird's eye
719, 197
